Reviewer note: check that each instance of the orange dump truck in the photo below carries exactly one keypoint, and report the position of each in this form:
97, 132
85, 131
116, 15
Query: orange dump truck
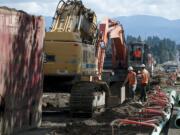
21, 43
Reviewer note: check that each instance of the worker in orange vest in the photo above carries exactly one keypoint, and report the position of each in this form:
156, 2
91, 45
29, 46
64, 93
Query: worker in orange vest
145, 76
132, 81
173, 77
137, 54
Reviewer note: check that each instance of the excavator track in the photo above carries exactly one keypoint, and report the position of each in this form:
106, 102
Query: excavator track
86, 98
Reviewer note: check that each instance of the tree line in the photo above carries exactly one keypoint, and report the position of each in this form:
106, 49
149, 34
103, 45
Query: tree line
162, 49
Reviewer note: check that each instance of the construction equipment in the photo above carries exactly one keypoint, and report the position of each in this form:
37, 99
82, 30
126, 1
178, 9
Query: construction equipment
69, 46
145, 56
89, 95
75, 53
115, 61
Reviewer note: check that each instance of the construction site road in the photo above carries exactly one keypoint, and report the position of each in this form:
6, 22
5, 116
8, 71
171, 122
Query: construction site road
61, 123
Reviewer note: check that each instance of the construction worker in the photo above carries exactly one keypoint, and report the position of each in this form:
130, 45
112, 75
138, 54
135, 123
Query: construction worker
137, 54
172, 78
144, 82
132, 81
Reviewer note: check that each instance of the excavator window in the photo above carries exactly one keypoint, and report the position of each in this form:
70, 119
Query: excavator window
137, 54
49, 58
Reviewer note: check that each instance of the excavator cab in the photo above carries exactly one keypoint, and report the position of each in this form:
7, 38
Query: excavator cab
137, 54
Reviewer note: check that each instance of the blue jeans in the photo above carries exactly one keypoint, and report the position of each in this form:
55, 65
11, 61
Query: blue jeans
143, 92
132, 90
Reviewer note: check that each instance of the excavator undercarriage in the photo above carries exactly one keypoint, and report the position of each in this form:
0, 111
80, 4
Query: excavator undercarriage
88, 97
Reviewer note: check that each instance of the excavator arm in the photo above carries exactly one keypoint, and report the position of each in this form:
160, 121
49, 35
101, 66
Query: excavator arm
111, 33
72, 16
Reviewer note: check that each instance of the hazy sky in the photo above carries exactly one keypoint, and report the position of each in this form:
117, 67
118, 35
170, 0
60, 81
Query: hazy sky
165, 8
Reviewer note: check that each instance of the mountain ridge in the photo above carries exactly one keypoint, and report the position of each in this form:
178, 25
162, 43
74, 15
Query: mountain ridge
145, 25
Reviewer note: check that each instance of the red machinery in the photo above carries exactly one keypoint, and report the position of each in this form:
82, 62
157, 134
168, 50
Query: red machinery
113, 31
88, 95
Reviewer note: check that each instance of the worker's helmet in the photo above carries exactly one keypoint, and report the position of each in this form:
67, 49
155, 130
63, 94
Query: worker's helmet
143, 66
130, 68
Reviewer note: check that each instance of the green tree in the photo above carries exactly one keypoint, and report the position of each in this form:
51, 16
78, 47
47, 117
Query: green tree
162, 49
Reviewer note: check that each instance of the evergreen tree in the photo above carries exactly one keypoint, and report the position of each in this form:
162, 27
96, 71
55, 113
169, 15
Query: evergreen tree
162, 49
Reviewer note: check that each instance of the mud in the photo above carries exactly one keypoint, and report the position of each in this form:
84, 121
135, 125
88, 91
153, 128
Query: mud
63, 124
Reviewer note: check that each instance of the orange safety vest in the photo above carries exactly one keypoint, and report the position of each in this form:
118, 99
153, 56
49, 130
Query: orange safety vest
145, 77
132, 78
173, 76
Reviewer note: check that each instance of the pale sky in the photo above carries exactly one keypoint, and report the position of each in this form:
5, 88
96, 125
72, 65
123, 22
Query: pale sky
169, 9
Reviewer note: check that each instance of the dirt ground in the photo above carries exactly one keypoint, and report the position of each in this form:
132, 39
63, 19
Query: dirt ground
172, 129
61, 123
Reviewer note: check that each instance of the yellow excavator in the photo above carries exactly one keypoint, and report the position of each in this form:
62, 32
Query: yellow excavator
70, 46
74, 55
70, 63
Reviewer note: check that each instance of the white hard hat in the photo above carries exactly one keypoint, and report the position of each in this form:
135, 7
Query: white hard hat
130, 68
143, 66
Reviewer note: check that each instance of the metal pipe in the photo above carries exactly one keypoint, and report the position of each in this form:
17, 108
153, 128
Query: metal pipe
148, 123
158, 103
157, 125
158, 129
164, 99
155, 107
177, 120
178, 99
153, 111
151, 121
172, 97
